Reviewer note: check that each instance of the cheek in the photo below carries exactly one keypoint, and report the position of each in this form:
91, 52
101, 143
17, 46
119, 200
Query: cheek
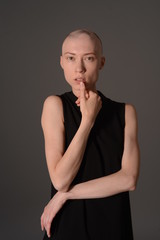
93, 70
68, 73
69, 68
66, 70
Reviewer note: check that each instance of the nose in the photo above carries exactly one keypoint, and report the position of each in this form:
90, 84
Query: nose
80, 67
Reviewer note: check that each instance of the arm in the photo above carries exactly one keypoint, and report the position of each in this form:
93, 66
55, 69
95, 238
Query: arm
63, 166
123, 180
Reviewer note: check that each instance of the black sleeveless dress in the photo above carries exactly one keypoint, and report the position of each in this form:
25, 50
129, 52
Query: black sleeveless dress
103, 218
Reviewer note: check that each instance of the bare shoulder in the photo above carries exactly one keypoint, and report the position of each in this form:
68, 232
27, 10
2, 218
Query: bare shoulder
52, 108
52, 102
130, 112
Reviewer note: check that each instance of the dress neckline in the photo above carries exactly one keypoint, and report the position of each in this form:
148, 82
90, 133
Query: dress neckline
74, 97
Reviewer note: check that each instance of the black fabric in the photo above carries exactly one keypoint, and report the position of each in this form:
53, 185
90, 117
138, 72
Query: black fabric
104, 218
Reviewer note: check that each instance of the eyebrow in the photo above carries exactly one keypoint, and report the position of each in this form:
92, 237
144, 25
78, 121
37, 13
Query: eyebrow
84, 54
69, 53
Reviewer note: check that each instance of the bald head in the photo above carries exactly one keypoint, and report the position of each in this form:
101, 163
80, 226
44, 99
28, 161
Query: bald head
84, 32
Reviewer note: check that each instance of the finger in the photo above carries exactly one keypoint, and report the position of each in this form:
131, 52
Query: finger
48, 229
42, 225
99, 98
82, 90
87, 95
77, 101
45, 222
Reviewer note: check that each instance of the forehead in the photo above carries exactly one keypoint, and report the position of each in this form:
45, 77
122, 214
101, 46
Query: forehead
80, 44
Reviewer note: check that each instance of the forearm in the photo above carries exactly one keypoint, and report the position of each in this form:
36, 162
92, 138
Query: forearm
102, 187
68, 165
97, 188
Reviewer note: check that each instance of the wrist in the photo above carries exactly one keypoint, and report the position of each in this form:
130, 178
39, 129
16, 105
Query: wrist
69, 194
87, 123
66, 196
63, 196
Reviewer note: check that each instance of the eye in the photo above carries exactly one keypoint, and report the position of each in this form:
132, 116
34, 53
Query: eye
70, 58
90, 58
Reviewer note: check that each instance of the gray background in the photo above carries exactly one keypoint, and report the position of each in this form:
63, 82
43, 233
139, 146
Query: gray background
31, 37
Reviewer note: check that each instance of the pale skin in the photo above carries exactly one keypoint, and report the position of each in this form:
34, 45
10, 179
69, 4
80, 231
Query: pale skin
81, 61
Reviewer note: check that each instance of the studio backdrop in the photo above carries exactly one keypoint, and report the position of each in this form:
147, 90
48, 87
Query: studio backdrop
31, 36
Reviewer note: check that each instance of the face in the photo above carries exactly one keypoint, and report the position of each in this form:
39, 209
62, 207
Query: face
81, 60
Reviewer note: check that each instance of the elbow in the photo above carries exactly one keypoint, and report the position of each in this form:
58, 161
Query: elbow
62, 188
132, 183
132, 188
60, 185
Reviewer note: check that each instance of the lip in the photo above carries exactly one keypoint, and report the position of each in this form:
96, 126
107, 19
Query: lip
80, 79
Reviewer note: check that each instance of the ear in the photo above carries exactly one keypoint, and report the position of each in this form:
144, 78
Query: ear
102, 62
61, 61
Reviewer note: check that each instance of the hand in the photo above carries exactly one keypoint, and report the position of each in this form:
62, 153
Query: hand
51, 209
90, 104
